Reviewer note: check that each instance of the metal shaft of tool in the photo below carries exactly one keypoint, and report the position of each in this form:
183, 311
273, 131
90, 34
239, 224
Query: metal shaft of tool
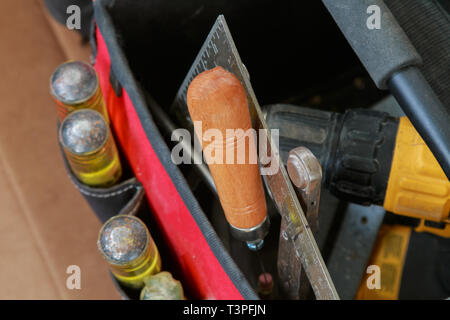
299, 233
169, 128
219, 50
305, 173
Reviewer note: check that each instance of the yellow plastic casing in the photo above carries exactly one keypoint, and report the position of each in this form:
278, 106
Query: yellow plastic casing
417, 187
389, 256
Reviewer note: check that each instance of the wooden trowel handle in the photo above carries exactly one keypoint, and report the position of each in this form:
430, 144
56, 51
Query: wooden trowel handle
217, 99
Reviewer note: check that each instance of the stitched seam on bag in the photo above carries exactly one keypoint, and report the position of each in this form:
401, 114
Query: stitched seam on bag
107, 195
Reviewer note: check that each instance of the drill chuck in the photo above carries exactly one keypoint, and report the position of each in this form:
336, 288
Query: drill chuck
354, 149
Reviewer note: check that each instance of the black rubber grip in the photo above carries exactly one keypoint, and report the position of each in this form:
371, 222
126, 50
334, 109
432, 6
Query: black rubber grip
426, 112
383, 51
361, 161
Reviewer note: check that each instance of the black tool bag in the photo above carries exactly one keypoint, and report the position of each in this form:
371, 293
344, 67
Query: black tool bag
142, 51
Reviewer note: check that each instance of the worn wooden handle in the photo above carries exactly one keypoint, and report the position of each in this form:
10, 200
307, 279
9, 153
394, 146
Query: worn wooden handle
217, 99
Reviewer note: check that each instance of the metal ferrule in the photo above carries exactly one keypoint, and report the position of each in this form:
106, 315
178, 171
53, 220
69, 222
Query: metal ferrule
253, 235
90, 148
74, 85
126, 244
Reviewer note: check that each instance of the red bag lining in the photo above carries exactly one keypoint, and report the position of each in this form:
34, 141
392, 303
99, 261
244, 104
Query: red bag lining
202, 271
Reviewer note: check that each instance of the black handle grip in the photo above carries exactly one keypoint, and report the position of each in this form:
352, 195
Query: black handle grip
382, 51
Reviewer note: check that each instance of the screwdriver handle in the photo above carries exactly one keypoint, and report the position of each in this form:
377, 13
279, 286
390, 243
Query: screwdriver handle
217, 99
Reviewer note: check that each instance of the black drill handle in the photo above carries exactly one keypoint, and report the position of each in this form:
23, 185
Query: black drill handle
383, 51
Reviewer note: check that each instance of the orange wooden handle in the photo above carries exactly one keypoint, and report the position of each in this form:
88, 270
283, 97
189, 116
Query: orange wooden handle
217, 99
